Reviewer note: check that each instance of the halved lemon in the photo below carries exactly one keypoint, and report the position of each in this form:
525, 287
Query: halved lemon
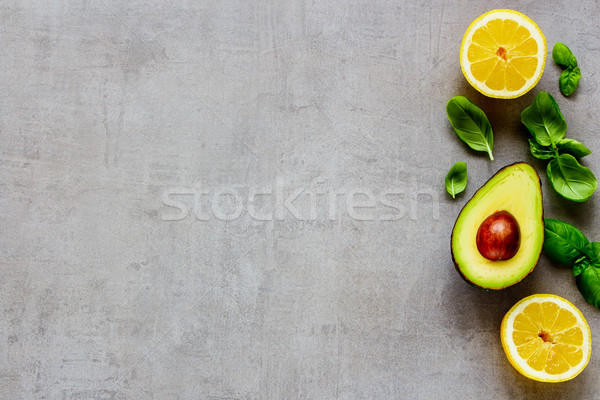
503, 54
546, 338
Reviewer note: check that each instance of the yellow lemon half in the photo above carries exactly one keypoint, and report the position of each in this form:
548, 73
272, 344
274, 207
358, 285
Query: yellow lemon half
503, 53
546, 338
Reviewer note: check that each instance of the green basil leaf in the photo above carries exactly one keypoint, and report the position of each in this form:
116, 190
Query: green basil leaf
569, 79
541, 152
588, 283
563, 56
563, 243
580, 266
544, 120
470, 124
456, 179
592, 250
570, 179
573, 147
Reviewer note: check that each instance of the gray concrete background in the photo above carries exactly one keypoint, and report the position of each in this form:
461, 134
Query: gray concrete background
105, 106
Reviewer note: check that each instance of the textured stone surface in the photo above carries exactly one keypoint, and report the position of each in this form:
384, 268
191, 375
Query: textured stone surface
109, 108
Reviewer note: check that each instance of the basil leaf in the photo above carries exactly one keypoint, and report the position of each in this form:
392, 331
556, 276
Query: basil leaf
544, 120
541, 152
563, 56
592, 250
580, 266
456, 179
573, 147
569, 79
563, 243
569, 146
588, 283
570, 179
470, 124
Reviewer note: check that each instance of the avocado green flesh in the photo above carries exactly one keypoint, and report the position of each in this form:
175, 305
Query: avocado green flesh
516, 189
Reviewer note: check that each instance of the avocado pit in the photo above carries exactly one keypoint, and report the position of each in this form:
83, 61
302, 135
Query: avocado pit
499, 236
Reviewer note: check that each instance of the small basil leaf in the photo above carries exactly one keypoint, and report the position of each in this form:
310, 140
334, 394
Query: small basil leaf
580, 266
541, 152
570, 179
592, 250
470, 124
544, 120
569, 79
563, 56
573, 147
456, 179
588, 283
563, 243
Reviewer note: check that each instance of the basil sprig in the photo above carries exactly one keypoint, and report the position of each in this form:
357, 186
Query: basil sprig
470, 124
566, 245
548, 127
569, 79
456, 179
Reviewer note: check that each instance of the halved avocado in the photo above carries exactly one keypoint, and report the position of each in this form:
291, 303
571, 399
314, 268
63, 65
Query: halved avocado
516, 190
